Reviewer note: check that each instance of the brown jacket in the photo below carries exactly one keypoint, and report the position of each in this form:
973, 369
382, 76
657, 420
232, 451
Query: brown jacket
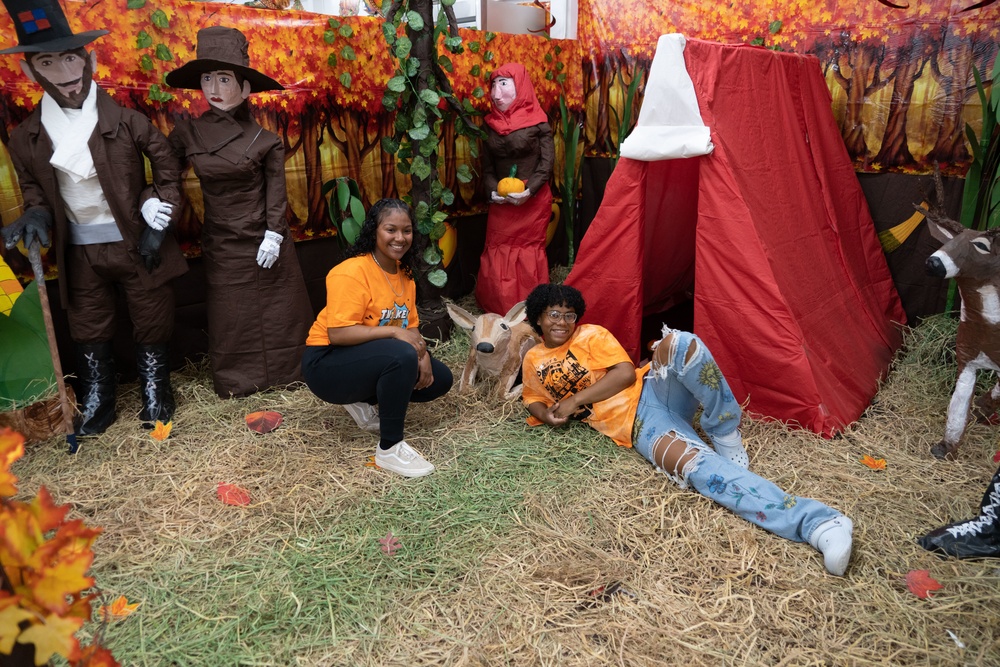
120, 140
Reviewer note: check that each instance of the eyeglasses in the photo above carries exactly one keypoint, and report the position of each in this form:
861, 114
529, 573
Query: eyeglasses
556, 316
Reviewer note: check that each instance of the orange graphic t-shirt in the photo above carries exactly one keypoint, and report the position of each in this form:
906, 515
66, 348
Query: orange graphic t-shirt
359, 292
551, 374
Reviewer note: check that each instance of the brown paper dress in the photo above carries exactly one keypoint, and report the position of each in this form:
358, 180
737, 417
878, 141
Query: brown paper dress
257, 318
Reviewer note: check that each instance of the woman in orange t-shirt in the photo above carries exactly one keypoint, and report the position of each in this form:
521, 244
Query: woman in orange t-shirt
365, 348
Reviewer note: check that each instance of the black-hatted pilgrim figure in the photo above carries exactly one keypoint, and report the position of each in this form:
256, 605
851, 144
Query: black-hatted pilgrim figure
79, 163
258, 308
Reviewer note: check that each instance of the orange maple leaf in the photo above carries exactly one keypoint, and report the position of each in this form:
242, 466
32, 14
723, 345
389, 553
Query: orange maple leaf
11, 449
921, 583
51, 584
118, 609
162, 431
231, 494
370, 463
873, 463
97, 656
263, 422
54, 635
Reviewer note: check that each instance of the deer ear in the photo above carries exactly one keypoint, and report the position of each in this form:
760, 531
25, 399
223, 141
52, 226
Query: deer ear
460, 316
940, 232
516, 314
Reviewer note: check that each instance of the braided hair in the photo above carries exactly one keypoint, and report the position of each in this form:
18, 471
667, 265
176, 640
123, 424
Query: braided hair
365, 243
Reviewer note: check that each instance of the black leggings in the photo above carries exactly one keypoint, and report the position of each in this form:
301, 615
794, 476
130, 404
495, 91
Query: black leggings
380, 371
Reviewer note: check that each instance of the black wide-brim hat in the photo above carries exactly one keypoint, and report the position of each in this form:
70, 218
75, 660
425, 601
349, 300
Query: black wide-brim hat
42, 27
220, 48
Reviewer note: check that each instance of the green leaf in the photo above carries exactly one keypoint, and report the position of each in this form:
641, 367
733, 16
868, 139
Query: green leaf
561, 78
333, 23
419, 132
160, 20
24, 353
550, 75
432, 256
447, 197
560, 67
331, 60
438, 278
346, 30
447, 3
463, 173
439, 216
421, 169
389, 32
143, 40
429, 145
345, 79
490, 36
757, 41
135, 4
390, 145
429, 97
357, 209
402, 48
163, 53
439, 230
548, 57
415, 20
453, 44
403, 166
351, 229
488, 56
445, 63
478, 92
412, 66
329, 37
773, 27
474, 47
397, 84
343, 194
146, 63
421, 210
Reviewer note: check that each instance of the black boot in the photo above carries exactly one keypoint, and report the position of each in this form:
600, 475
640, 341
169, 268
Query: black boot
975, 538
154, 384
95, 369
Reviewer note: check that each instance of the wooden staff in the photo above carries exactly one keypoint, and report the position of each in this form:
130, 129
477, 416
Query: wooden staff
35, 257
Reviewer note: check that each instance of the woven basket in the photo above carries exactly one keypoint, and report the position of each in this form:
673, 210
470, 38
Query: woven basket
39, 421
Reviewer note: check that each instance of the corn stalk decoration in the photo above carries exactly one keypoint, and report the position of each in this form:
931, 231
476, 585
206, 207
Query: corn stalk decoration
981, 195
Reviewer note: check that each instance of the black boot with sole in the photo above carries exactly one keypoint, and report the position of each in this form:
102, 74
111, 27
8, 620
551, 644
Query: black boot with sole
95, 371
154, 384
975, 538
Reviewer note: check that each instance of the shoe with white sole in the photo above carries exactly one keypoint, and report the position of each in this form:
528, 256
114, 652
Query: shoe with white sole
365, 415
403, 460
834, 540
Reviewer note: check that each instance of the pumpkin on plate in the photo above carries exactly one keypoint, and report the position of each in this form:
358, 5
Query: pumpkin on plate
511, 184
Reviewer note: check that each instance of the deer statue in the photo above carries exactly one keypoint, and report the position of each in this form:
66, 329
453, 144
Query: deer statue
972, 258
498, 346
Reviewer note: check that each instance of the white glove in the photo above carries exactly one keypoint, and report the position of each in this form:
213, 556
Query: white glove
497, 199
267, 255
157, 213
518, 198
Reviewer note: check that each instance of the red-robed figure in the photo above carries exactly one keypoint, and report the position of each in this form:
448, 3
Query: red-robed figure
518, 135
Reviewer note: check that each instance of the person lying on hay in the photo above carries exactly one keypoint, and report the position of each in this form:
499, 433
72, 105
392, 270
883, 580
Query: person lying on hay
583, 373
365, 348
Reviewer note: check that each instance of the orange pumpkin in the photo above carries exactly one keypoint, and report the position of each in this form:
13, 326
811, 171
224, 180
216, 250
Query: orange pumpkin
510, 184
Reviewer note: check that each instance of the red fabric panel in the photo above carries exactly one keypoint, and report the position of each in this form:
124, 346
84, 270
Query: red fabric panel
793, 295
609, 266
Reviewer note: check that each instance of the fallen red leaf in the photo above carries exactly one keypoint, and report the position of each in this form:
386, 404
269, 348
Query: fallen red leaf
390, 544
231, 494
996, 457
263, 422
921, 583
118, 609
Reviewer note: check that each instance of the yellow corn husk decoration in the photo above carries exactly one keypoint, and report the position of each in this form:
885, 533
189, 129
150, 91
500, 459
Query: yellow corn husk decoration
893, 237
10, 288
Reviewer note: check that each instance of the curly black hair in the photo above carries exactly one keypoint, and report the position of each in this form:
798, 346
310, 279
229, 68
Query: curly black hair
547, 295
365, 243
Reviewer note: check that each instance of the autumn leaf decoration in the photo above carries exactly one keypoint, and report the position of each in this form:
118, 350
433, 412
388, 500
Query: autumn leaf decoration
117, 610
996, 459
161, 431
390, 545
45, 560
921, 583
873, 463
231, 494
263, 422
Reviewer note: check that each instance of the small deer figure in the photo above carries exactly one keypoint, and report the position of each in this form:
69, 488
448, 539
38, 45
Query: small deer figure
972, 258
498, 346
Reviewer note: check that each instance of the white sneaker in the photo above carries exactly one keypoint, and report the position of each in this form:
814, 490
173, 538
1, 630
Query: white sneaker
365, 415
731, 447
834, 539
403, 460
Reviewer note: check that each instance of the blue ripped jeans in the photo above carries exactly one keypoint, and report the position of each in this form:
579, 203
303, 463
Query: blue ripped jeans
670, 396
